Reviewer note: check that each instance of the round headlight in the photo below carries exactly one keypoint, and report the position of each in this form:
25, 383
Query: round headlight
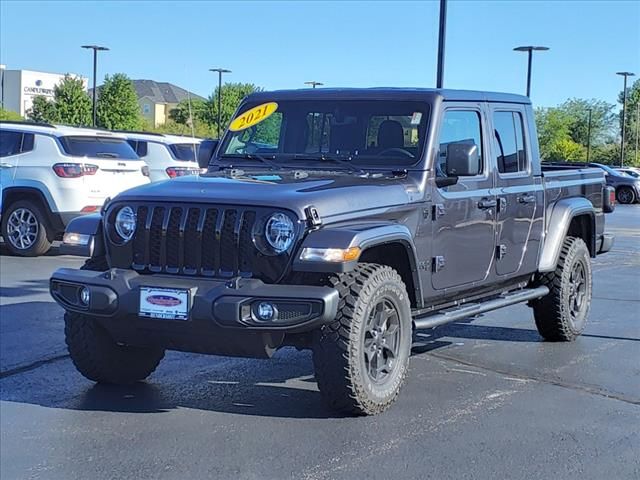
126, 223
279, 232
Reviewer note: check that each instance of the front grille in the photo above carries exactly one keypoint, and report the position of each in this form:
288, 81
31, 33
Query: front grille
194, 240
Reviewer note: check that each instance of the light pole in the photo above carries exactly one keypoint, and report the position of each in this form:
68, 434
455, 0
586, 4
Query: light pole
624, 111
220, 72
589, 135
442, 33
96, 49
314, 84
637, 127
530, 49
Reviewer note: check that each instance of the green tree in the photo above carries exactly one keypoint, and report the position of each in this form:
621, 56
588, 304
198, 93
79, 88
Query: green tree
231, 95
72, 104
603, 120
185, 114
9, 115
631, 124
42, 110
117, 107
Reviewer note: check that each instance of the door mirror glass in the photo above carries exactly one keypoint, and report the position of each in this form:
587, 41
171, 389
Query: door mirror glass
205, 152
463, 160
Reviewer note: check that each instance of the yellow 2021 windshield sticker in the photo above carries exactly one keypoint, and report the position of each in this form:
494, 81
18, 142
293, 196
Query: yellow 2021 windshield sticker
253, 116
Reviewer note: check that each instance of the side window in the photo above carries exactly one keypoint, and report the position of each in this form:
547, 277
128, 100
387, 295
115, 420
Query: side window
27, 142
10, 143
142, 149
509, 139
459, 127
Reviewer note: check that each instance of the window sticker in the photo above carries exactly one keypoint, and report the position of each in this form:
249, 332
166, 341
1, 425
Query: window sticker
253, 116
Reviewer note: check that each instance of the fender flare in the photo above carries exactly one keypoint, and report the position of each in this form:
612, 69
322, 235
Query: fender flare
364, 236
562, 212
31, 187
85, 225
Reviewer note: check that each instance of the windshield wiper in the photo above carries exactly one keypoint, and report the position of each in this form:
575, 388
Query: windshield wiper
253, 156
321, 157
107, 155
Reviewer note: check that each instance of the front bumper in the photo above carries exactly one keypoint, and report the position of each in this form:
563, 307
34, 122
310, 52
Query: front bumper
221, 318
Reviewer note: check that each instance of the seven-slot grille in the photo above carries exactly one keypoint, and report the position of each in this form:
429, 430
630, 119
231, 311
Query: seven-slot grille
194, 240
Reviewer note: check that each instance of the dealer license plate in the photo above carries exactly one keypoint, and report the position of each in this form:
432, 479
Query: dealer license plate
164, 303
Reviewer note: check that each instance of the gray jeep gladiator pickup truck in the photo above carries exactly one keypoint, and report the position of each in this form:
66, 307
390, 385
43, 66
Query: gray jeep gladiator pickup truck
337, 221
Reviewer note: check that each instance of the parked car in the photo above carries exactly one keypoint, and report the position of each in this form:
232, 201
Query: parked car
631, 171
627, 188
338, 221
168, 156
51, 174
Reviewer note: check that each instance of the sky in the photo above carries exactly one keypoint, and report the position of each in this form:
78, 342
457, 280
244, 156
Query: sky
342, 44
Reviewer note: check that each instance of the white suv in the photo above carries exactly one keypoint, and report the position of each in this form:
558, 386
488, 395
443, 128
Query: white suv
168, 156
51, 174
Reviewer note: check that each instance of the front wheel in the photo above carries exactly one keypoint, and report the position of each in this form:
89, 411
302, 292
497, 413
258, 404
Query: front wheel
562, 314
361, 359
96, 355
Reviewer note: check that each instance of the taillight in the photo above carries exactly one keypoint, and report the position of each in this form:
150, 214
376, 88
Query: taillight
145, 170
74, 170
90, 209
174, 172
612, 197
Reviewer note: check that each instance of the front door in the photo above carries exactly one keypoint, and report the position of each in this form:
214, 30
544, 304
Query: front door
464, 214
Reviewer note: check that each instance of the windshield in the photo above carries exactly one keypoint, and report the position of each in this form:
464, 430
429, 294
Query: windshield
610, 170
185, 151
369, 133
98, 147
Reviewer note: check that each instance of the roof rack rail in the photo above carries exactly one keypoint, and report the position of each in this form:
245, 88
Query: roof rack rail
27, 122
139, 132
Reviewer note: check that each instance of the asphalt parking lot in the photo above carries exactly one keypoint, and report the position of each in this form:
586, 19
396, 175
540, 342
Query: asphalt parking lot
484, 399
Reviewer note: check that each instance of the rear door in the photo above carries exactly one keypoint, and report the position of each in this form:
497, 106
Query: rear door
519, 191
463, 214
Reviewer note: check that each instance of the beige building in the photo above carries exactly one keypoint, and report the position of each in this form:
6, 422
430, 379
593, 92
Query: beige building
157, 99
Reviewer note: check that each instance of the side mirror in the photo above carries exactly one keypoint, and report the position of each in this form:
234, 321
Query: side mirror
463, 160
205, 152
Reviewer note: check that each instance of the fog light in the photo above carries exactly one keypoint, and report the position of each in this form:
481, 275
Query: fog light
266, 311
85, 296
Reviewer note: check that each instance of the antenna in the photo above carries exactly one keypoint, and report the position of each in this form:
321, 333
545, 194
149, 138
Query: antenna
193, 132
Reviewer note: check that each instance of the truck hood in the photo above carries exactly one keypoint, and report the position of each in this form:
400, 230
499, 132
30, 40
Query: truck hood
331, 193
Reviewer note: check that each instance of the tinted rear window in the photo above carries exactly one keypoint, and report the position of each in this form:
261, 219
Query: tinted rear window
185, 151
98, 147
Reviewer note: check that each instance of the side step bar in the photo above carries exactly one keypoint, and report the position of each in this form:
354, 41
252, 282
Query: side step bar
473, 309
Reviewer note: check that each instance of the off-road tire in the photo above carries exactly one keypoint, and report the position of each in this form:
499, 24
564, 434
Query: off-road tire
97, 356
42, 242
625, 195
338, 349
554, 316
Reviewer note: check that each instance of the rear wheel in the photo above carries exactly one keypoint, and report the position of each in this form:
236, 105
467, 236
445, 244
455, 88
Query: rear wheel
562, 314
97, 356
361, 359
625, 195
25, 229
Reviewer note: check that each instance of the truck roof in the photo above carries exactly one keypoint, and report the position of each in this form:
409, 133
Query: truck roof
389, 93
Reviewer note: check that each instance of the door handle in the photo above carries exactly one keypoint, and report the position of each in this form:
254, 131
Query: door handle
486, 203
6, 165
527, 199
